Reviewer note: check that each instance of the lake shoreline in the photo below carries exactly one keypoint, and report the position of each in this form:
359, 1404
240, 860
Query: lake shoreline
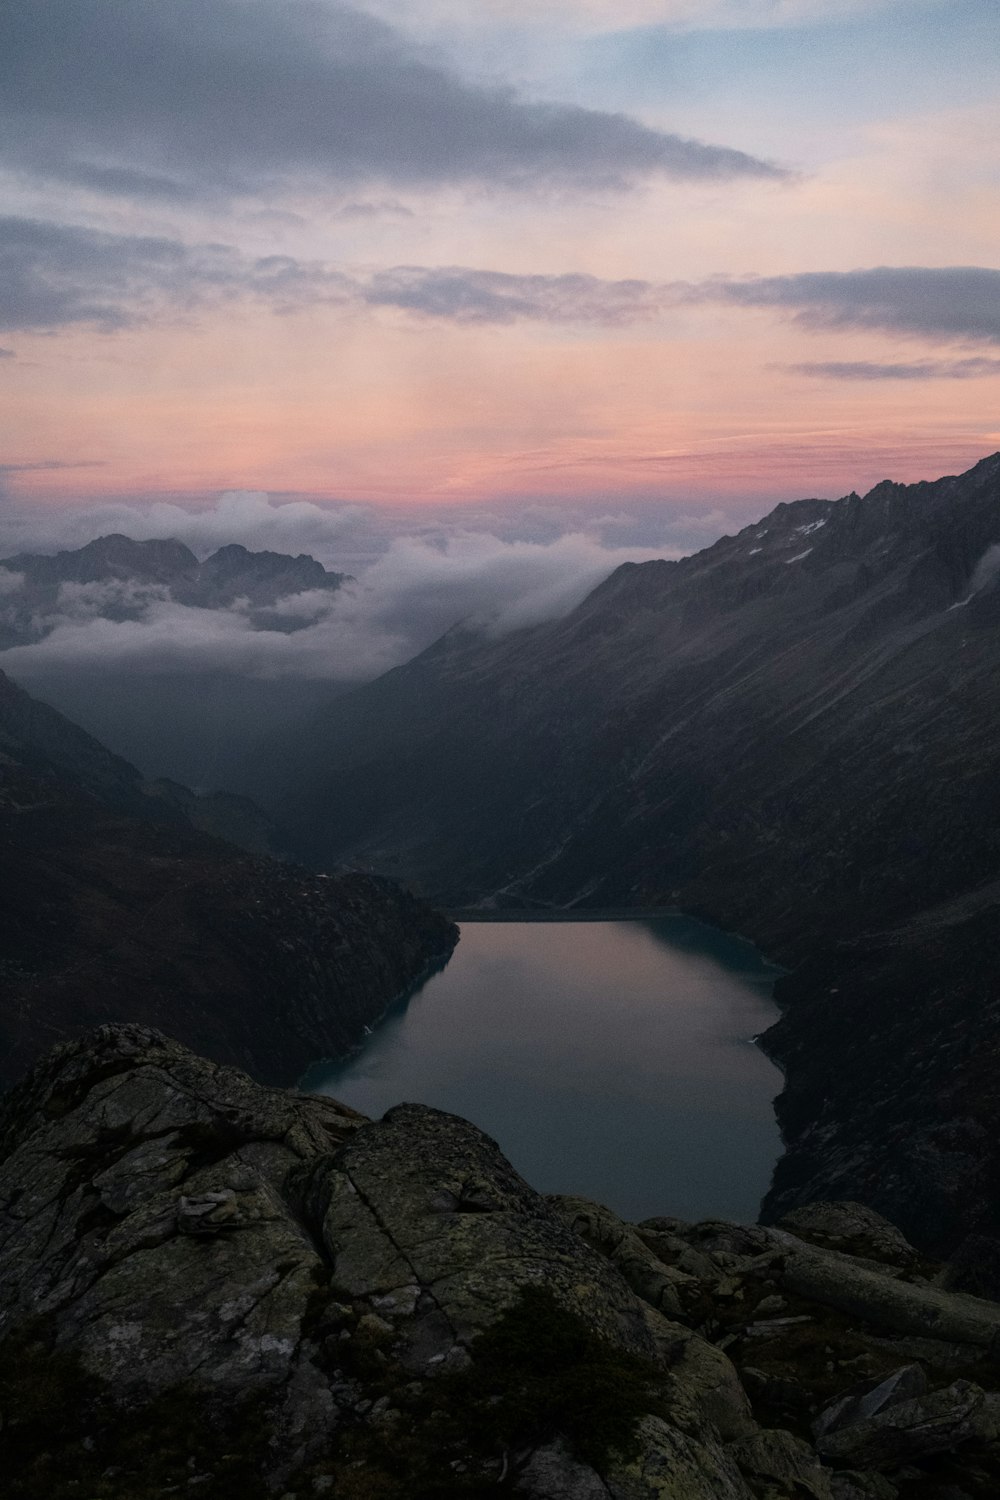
610, 1055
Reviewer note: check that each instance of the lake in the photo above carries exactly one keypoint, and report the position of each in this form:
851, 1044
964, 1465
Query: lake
611, 1059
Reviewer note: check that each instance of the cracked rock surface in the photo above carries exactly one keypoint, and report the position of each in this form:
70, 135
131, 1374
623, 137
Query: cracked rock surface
209, 1286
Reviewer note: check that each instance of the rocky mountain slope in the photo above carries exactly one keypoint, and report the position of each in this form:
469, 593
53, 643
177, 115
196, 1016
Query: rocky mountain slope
803, 693
116, 907
213, 1287
793, 733
40, 741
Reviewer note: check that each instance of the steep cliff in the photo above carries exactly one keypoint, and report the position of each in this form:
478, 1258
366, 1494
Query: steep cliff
212, 1287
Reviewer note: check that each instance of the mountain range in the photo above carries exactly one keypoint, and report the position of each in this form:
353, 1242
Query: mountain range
793, 733
260, 1292
131, 572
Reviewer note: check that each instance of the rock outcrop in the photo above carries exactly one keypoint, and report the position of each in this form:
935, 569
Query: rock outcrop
209, 1286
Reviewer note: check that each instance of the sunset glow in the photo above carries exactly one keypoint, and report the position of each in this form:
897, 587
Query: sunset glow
567, 253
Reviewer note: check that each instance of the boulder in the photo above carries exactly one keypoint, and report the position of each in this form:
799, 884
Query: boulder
778, 1464
851, 1228
848, 1484
647, 1275
877, 1295
672, 1466
909, 1430
701, 1381
553, 1473
263, 1290
869, 1397
425, 1221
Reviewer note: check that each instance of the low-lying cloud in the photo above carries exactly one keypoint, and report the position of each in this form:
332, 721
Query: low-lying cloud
214, 98
412, 594
351, 536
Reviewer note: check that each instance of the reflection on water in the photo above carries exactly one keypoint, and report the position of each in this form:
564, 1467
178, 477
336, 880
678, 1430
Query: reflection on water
609, 1059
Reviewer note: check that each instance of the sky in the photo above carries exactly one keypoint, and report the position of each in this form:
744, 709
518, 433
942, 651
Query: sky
629, 271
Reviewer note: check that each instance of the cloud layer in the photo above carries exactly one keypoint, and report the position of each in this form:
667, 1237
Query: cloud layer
413, 593
682, 14
935, 302
222, 97
986, 569
55, 275
250, 517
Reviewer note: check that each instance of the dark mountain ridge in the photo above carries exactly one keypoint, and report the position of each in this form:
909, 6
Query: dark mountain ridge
647, 720
262, 577
41, 741
115, 556
117, 907
792, 733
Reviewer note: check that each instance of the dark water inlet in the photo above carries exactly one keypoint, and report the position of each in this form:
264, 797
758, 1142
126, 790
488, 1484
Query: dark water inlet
609, 1059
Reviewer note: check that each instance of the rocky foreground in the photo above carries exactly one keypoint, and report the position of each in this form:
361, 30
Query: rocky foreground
214, 1288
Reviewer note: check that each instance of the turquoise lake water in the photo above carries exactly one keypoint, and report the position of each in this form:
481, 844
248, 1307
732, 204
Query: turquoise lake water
609, 1059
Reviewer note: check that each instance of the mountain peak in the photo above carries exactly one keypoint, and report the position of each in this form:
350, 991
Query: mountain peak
231, 572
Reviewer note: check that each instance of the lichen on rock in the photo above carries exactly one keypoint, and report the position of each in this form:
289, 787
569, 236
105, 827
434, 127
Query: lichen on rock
207, 1284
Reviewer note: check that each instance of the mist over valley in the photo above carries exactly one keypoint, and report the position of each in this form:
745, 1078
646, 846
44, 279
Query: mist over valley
499, 755
184, 662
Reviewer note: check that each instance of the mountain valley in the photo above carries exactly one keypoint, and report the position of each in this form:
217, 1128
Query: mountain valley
211, 1284
792, 733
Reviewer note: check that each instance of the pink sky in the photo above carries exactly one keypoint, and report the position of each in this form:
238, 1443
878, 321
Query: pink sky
209, 381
